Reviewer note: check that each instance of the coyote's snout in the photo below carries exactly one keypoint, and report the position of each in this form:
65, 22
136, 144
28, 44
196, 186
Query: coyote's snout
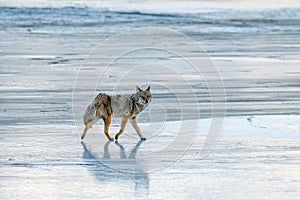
125, 106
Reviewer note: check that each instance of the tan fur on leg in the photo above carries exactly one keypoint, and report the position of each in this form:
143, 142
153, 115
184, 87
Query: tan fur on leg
123, 124
136, 127
107, 121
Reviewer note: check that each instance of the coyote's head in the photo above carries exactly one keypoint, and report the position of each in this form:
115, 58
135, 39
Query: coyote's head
145, 95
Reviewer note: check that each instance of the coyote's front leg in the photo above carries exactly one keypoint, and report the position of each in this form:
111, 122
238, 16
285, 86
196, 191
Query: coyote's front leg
123, 124
136, 128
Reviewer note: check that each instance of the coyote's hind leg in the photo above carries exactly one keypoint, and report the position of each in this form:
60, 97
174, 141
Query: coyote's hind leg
107, 121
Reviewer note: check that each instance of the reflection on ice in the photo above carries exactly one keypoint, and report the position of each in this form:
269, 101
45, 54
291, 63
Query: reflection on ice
106, 175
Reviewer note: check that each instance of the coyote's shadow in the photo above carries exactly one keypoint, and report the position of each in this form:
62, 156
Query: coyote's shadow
105, 174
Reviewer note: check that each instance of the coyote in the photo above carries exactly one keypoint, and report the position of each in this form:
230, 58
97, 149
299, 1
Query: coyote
125, 106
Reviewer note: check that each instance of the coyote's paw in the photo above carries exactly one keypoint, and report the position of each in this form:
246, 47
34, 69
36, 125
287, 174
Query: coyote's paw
116, 137
143, 138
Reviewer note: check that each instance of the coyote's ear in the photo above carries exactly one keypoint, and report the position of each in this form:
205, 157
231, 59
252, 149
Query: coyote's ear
148, 88
138, 89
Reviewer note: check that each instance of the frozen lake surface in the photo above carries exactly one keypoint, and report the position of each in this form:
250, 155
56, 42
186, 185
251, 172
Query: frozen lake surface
256, 156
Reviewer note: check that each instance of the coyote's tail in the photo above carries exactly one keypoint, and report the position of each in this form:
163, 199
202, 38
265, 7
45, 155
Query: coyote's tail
90, 114
100, 107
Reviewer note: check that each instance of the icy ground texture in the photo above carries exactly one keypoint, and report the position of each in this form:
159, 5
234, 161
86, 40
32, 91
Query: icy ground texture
256, 158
